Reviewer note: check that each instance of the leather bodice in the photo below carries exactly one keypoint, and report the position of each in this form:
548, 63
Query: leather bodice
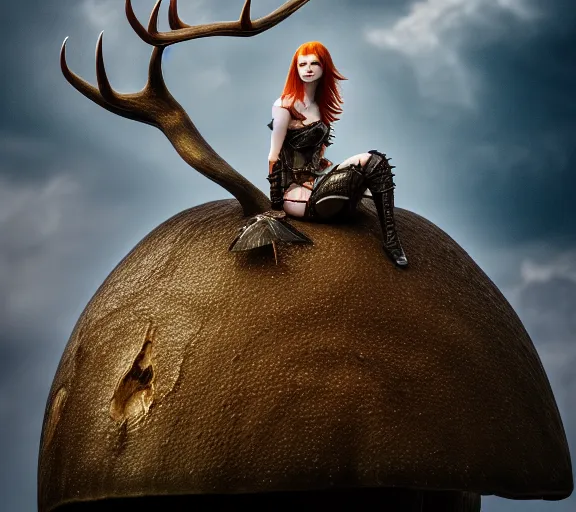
299, 159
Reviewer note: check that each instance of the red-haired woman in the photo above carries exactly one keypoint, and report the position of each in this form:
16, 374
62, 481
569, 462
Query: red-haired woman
301, 182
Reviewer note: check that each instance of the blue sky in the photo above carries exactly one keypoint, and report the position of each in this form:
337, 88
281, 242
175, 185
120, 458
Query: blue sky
473, 99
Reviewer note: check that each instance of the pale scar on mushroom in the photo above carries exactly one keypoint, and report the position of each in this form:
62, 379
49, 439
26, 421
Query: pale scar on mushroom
55, 413
134, 392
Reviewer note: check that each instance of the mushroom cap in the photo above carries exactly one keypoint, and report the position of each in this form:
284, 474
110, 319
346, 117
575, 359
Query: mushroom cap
194, 370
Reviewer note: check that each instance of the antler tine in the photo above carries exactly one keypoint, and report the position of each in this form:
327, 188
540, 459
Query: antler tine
106, 90
87, 89
245, 19
153, 23
144, 34
173, 19
243, 27
155, 76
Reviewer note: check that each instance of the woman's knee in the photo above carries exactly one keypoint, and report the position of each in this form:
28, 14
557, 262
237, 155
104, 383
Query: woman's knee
359, 159
364, 157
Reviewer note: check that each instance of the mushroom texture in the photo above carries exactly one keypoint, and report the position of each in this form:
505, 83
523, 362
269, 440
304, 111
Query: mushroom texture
193, 371
200, 377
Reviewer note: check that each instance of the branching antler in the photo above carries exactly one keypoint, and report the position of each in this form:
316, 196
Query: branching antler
243, 27
155, 105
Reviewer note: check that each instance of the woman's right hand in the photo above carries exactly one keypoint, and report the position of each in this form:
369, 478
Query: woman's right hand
271, 165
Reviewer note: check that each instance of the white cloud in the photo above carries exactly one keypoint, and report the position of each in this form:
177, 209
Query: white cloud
101, 13
519, 267
561, 266
213, 78
544, 296
48, 230
431, 36
31, 216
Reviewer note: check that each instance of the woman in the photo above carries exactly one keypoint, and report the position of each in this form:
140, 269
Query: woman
301, 182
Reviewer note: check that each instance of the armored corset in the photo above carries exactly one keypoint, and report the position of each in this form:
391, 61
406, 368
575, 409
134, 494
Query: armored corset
299, 159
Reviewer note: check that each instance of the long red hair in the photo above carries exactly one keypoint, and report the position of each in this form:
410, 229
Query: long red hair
327, 94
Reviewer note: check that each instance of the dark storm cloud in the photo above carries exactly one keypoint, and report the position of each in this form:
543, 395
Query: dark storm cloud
545, 300
527, 127
504, 163
549, 308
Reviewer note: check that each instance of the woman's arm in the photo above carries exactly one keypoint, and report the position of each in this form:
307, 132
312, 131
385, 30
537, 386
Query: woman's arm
281, 118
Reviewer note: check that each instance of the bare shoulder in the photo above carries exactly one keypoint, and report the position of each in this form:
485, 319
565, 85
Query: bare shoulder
282, 102
280, 114
281, 117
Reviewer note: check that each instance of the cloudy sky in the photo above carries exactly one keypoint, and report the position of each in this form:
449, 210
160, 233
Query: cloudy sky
474, 100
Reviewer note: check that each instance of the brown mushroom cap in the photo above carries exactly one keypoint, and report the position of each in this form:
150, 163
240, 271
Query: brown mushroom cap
194, 370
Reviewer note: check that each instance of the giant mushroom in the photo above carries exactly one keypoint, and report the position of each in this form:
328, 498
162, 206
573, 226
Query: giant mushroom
193, 379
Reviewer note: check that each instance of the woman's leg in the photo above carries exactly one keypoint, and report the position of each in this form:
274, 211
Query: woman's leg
295, 200
379, 178
342, 188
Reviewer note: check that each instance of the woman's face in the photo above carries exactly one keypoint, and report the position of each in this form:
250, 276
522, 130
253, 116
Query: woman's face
309, 68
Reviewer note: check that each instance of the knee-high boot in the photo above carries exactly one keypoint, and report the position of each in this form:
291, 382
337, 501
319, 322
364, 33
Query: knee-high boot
379, 179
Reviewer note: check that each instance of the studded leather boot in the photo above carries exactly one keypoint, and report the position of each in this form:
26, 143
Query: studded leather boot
379, 178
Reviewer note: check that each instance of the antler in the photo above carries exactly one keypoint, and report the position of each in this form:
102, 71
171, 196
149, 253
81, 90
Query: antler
155, 105
243, 27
